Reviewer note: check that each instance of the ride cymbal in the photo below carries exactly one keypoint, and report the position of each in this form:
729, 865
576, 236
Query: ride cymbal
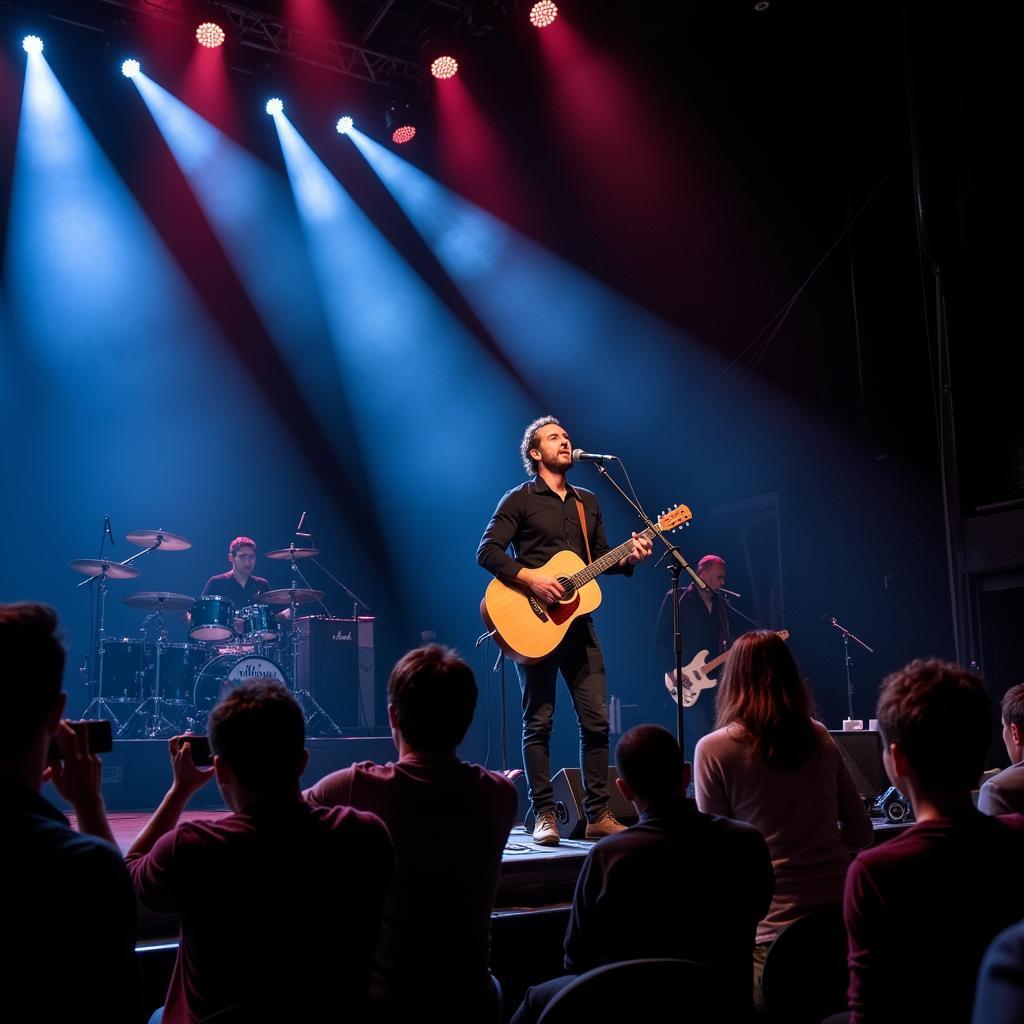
288, 553
162, 540
159, 600
95, 567
287, 595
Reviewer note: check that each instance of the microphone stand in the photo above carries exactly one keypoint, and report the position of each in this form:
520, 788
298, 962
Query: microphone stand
847, 659
677, 566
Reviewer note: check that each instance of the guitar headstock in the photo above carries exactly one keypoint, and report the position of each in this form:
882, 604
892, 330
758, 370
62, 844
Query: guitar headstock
674, 518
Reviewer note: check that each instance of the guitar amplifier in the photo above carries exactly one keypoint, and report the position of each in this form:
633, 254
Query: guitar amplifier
336, 665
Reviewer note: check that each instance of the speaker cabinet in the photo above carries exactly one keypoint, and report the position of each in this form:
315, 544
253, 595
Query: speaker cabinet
336, 665
862, 753
569, 813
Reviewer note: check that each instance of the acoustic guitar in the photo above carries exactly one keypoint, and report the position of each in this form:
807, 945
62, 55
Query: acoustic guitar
528, 630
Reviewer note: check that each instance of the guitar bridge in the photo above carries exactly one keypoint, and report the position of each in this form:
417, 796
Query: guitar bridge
537, 608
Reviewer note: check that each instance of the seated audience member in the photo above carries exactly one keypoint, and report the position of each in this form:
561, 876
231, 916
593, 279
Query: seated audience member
279, 900
1004, 793
771, 764
921, 908
449, 821
1000, 995
69, 911
679, 883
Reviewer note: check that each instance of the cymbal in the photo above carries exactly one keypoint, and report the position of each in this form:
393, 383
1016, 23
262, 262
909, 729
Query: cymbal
157, 600
286, 553
94, 567
285, 596
163, 540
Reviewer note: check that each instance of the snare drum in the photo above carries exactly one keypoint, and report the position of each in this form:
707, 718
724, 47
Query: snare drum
258, 622
220, 676
213, 618
124, 669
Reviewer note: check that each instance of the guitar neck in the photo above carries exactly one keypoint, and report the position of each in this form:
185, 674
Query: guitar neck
606, 561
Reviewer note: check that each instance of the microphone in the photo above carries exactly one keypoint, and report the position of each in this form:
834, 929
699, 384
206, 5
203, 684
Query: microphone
579, 455
298, 529
731, 593
107, 530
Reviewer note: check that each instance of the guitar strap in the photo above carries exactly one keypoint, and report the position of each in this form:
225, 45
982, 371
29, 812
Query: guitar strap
583, 526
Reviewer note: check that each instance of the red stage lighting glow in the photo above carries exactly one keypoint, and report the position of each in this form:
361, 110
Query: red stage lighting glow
210, 35
406, 133
444, 67
543, 13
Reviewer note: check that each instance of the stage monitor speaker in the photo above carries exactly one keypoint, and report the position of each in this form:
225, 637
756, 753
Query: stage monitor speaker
569, 813
335, 664
862, 752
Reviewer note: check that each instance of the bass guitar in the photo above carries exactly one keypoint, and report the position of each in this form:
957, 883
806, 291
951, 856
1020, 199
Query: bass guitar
695, 675
526, 629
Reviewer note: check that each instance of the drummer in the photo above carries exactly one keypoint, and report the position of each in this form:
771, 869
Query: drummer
239, 585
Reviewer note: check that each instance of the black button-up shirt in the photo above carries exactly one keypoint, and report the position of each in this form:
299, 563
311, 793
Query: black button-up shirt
536, 523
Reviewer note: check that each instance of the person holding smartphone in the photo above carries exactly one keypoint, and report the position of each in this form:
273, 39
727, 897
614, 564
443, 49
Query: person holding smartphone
69, 910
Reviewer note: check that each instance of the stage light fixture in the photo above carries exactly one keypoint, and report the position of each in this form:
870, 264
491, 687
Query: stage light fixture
130, 68
444, 66
32, 44
275, 107
345, 125
210, 35
543, 14
400, 121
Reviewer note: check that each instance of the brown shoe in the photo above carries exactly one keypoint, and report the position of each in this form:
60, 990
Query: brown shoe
545, 831
606, 825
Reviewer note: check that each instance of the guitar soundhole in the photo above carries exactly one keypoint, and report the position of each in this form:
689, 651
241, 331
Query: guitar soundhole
569, 587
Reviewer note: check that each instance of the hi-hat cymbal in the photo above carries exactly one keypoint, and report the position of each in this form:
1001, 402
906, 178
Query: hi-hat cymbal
287, 595
95, 567
160, 539
159, 600
287, 553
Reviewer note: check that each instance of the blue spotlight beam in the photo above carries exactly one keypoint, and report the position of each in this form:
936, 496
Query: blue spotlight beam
127, 372
434, 408
552, 320
253, 215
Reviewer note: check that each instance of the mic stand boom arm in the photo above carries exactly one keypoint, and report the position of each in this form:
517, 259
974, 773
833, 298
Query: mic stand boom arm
678, 565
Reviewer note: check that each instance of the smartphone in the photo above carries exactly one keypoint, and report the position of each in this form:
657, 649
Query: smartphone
101, 737
201, 755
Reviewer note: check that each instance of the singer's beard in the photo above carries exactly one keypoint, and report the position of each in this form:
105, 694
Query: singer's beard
558, 463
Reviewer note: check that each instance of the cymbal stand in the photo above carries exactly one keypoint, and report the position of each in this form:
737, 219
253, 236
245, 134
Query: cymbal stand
101, 706
306, 700
158, 725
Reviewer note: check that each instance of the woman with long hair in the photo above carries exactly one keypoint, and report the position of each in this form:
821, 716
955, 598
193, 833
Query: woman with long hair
769, 763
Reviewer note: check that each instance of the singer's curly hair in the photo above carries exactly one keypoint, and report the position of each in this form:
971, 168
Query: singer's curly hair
531, 438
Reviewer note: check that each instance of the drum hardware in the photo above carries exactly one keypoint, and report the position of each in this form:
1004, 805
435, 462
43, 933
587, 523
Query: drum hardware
294, 553
103, 569
293, 596
152, 707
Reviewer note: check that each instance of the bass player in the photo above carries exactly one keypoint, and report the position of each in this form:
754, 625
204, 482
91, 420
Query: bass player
538, 519
704, 625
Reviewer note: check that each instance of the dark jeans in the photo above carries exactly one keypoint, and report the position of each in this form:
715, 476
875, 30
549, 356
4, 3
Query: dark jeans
578, 657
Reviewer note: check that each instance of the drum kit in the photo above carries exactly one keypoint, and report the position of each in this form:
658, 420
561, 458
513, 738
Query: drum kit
150, 687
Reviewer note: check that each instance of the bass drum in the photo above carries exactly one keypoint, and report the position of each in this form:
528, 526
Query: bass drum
223, 674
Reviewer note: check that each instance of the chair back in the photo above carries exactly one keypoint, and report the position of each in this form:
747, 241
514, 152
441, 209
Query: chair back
676, 989
805, 972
